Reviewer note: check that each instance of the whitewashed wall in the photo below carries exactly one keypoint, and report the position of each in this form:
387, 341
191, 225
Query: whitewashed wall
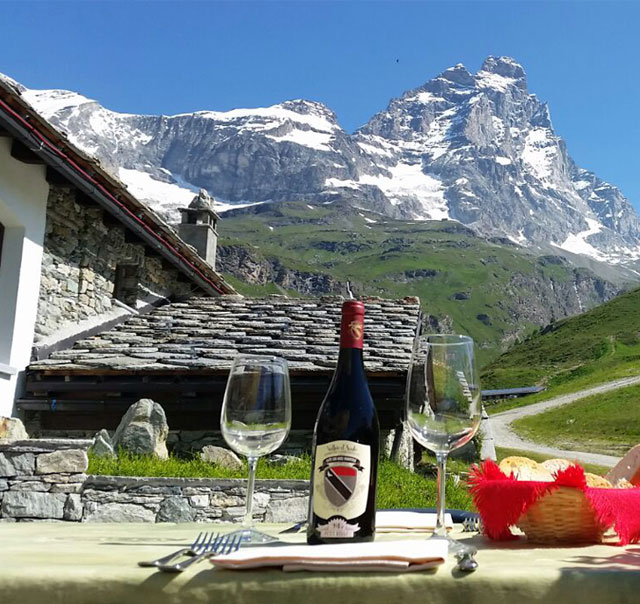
23, 205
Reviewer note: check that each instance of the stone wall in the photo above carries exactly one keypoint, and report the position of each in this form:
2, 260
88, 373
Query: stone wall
81, 255
46, 480
42, 480
188, 442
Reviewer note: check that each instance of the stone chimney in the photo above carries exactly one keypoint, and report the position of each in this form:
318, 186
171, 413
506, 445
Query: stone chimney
198, 226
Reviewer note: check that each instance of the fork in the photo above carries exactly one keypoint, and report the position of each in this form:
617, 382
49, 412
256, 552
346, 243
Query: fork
201, 542
472, 524
220, 545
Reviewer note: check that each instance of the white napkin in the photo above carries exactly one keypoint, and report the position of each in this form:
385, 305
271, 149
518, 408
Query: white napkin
393, 556
396, 521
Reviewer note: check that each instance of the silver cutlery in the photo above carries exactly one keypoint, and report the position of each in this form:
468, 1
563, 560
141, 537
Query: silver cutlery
203, 540
222, 544
295, 528
466, 561
472, 524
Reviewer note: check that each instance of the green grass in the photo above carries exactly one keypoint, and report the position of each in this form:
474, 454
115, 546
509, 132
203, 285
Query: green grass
606, 423
393, 259
502, 452
596, 347
397, 487
128, 464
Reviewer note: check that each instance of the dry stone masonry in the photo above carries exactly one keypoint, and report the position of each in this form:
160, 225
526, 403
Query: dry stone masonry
46, 480
80, 262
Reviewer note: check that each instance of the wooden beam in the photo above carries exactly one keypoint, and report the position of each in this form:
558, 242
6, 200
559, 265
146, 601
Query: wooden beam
4, 132
24, 154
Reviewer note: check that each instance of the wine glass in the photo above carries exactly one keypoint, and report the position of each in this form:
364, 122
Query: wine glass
443, 404
255, 418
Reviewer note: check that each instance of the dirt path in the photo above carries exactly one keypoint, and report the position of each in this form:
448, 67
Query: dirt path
504, 436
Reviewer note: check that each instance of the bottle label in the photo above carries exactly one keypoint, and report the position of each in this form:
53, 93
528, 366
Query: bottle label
341, 484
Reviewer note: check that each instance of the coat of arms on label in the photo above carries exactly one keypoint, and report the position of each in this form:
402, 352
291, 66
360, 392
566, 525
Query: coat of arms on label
340, 478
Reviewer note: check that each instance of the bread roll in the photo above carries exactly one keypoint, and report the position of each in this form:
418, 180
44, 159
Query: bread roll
556, 465
593, 480
523, 468
623, 483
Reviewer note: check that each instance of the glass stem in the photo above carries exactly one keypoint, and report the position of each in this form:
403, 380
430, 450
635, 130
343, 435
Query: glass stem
441, 529
248, 515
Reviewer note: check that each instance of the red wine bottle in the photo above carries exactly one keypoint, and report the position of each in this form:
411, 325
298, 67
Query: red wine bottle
346, 443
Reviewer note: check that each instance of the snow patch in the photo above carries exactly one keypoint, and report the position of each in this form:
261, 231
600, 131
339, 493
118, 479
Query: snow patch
50, 102
144, 186
168, 197
306, 138
275, 112
503, 161
539, 152
408, 182
375, 150
336, 183
578, 244
487, 79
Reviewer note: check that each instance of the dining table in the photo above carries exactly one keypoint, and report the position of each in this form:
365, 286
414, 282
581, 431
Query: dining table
85, 563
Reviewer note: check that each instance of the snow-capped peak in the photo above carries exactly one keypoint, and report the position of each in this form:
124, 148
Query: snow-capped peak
504, 66
476, 148
52, 102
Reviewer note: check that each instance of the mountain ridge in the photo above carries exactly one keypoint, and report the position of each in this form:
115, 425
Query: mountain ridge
476, 148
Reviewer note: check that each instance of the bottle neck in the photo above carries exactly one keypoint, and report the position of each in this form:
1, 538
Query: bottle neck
350, 361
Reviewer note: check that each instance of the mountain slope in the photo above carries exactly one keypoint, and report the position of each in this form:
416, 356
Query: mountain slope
492, 290
475, 148
597, 346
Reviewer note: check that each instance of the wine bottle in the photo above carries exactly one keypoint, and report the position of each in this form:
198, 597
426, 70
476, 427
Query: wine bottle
346, 443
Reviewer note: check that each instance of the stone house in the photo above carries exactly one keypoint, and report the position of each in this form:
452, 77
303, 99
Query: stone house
180, 354
104, 303
78, 252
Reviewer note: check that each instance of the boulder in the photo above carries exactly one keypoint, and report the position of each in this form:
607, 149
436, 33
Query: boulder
12, 429
21, 504
175, 509
21, 464
294, 509
121, 512
102, 445
73, 508
143, 430
73, 461
219, 456
282, 460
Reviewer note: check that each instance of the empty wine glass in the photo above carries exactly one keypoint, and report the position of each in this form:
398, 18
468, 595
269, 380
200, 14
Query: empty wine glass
255, 418
443, 403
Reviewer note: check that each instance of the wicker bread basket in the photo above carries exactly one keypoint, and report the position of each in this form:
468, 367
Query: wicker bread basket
562, 516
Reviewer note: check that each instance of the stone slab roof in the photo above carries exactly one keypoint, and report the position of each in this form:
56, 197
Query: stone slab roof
206, 333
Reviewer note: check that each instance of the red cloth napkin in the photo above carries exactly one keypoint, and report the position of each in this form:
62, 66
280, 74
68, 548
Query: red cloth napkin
502, 499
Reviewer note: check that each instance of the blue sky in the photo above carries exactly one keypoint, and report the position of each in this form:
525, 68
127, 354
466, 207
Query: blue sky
170, 57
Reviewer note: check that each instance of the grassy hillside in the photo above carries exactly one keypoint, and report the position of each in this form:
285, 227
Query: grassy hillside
607, 423
481, 288
598, 346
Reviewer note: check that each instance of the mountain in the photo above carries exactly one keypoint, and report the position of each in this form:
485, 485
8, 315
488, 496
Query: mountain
597, 346
493, 290
475, 148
